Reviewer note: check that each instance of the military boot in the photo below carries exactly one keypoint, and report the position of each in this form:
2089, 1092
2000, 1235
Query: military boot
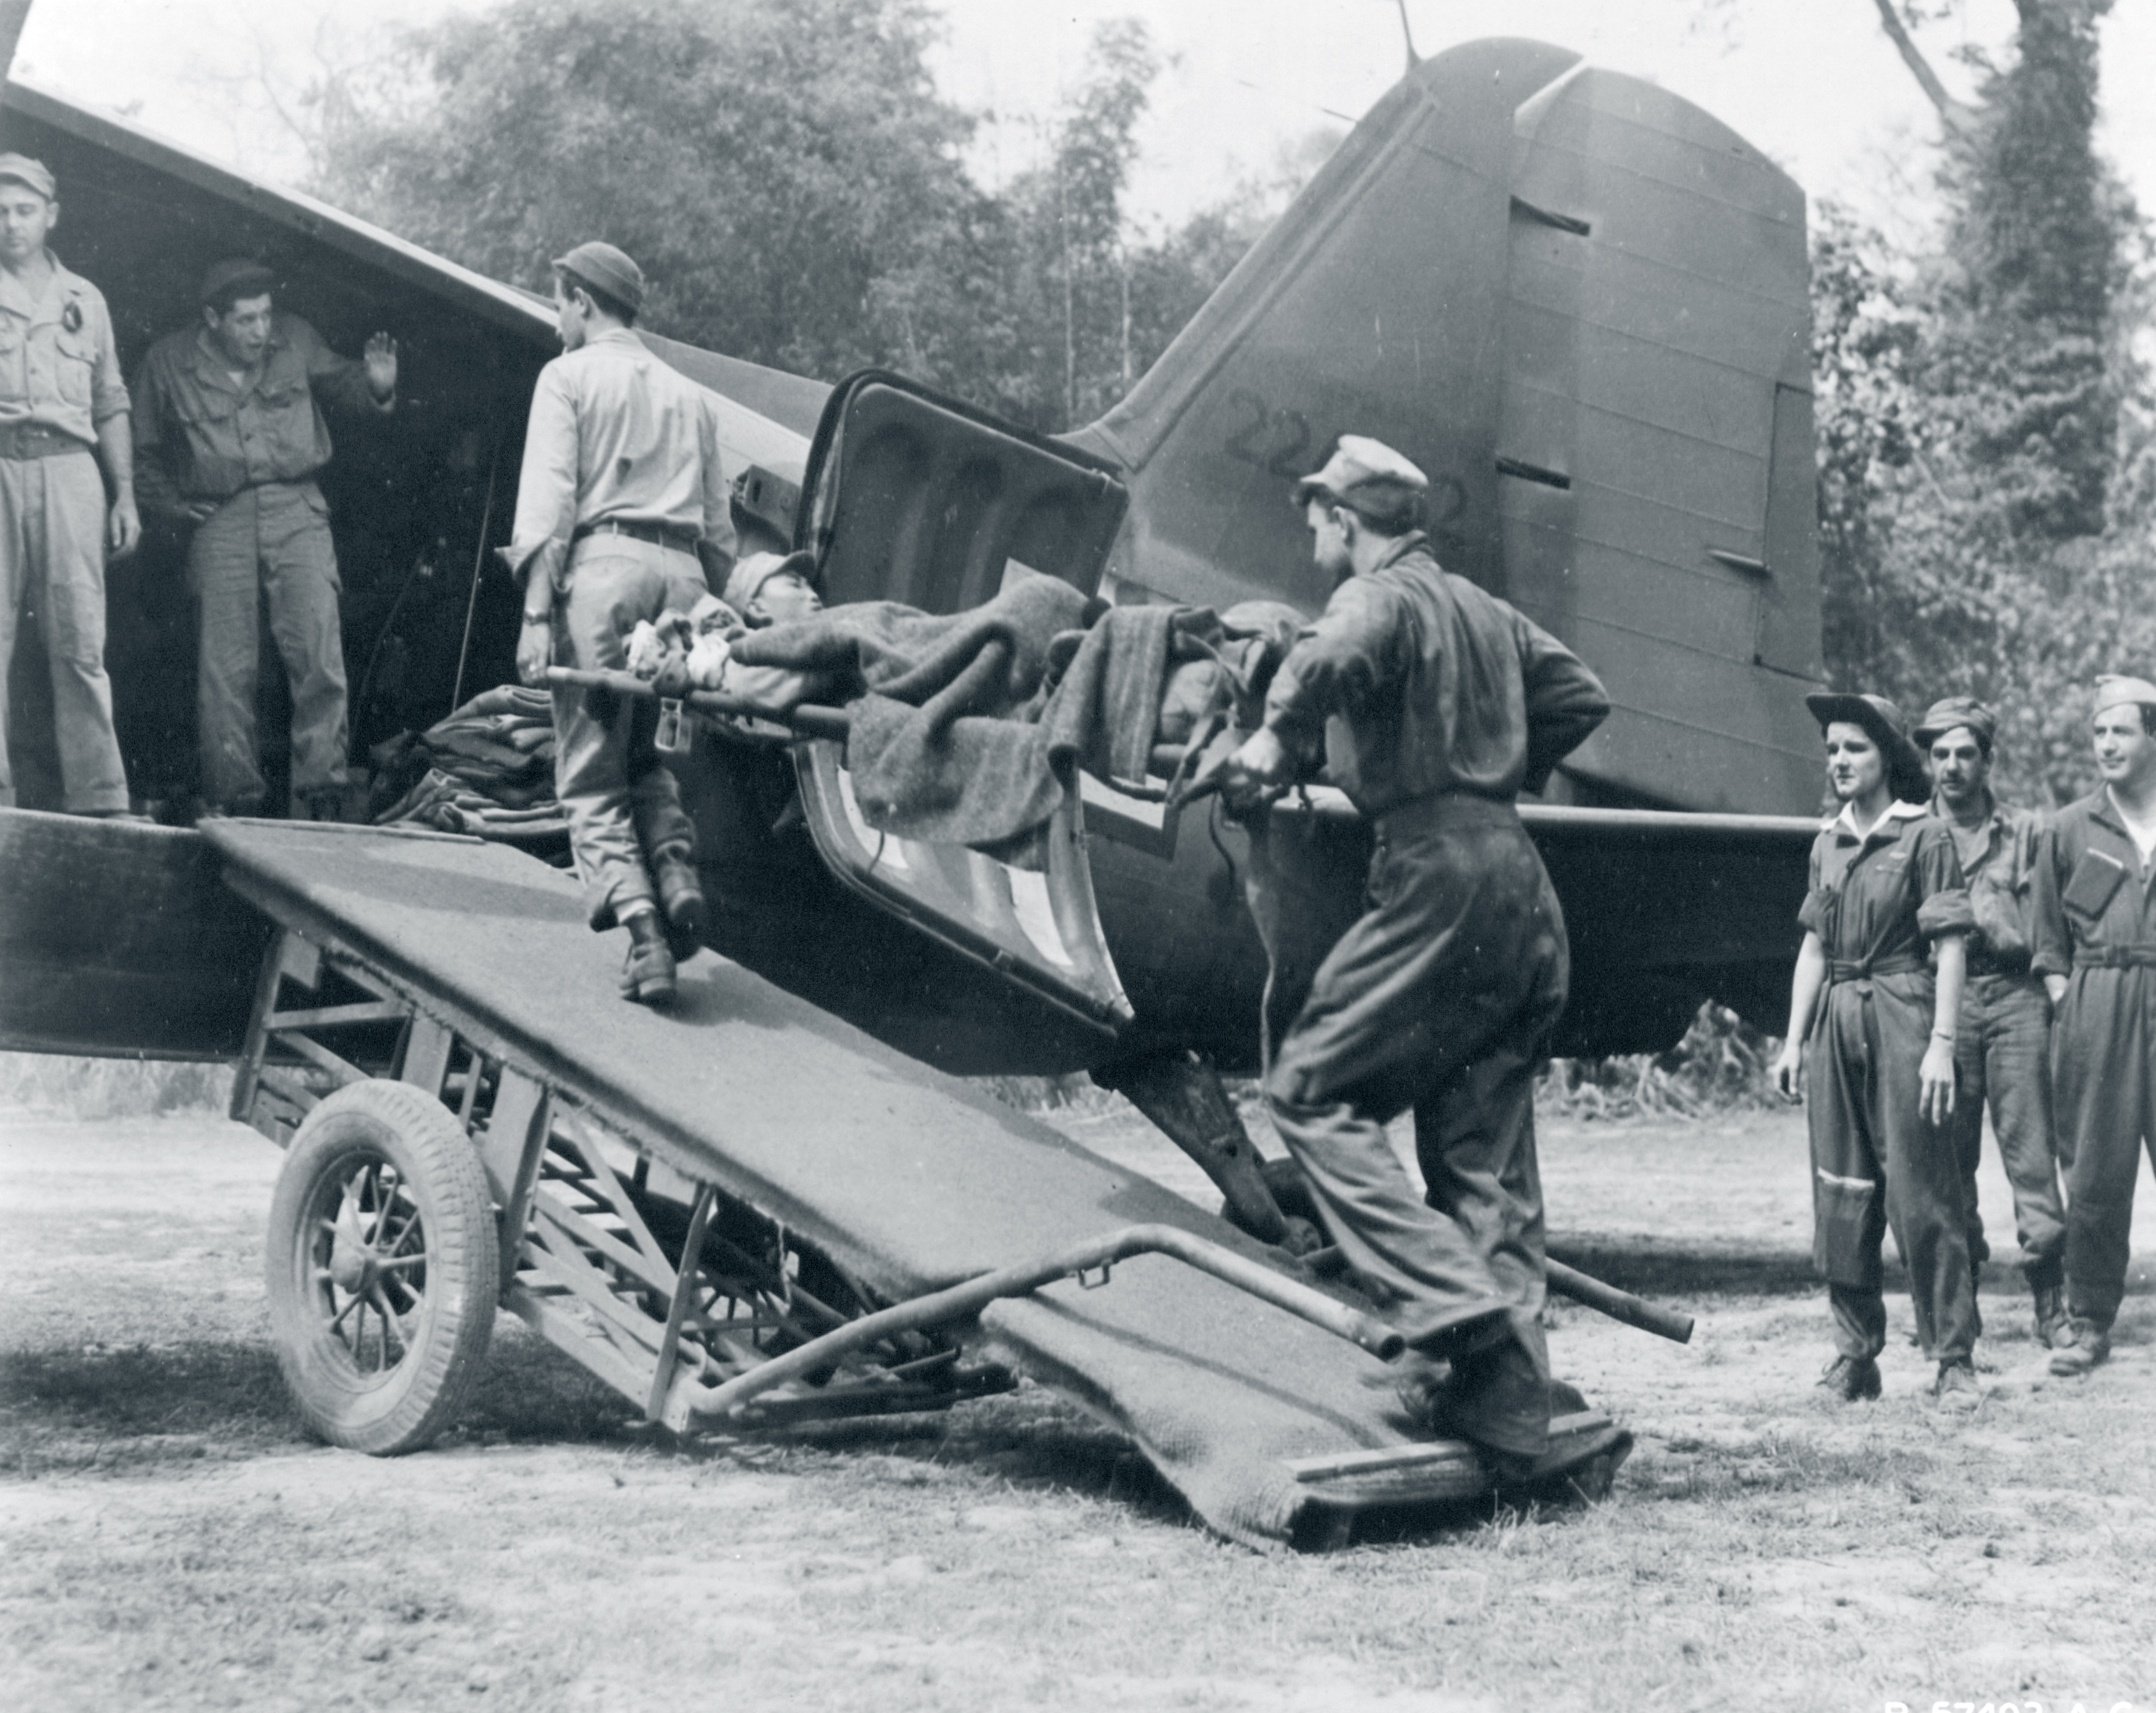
1850, 1378
648, 977
681, 898
2081, 1346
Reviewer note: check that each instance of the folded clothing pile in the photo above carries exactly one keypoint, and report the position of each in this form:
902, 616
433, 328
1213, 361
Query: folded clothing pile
488, 769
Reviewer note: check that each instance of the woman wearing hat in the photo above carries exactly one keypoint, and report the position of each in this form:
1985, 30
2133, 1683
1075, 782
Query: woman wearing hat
1885, 882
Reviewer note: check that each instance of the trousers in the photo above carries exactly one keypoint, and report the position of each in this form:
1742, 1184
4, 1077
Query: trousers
623, 804
1877, 1162
2106, 1078
2003, 1059
268, 546
52, 575
1440, 998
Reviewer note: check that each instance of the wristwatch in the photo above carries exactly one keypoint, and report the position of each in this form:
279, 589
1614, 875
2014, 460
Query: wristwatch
538, 617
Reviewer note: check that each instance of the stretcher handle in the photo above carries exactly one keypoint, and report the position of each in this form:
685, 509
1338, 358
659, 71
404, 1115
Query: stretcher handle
1673, 1324
963, 1302
809, 720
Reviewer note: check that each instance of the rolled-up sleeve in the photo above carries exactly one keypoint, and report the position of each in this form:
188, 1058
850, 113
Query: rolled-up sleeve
341, 379
1943, 905
108, 387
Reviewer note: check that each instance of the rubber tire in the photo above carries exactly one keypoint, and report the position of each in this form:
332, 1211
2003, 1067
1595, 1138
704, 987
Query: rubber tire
406, 1408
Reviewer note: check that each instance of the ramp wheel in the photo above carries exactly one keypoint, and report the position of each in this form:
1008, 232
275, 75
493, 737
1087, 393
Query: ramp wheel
383, 1267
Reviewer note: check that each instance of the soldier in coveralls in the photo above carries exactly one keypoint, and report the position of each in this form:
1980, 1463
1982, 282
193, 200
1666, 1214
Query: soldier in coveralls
1885, 880
620, 499
2003, 1053
61, 401
2095, 893
1434, 706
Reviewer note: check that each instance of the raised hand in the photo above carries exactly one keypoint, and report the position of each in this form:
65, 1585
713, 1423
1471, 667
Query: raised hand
381, 359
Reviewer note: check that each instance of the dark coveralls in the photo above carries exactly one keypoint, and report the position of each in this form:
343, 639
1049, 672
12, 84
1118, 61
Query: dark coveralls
1437, 702
2003, 1043
1876, 1160
2096, 925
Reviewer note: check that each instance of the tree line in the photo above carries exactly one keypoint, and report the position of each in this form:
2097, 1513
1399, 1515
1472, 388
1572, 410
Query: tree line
793, 183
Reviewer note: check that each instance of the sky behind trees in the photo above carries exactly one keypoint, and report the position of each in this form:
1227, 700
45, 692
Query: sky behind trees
1817, 86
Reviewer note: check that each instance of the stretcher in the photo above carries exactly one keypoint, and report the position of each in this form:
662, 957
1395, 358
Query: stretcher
744, 1212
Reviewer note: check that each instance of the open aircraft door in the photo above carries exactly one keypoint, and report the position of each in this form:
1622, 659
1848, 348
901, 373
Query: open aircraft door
912, 497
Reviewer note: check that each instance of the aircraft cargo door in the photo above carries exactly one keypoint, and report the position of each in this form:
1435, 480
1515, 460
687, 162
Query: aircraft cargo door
915, 498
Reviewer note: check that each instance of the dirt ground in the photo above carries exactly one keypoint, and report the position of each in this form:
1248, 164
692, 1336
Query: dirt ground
174, 1540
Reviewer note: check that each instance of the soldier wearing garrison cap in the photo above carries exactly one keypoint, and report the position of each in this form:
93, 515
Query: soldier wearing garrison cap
621, 505
1872, 1032
1432, 705
2003, 1045
2095, 912
230, 436
63, 411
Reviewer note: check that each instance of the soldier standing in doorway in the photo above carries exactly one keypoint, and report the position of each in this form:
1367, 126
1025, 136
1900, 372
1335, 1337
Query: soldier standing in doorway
231, 437
1433, 705
63, 413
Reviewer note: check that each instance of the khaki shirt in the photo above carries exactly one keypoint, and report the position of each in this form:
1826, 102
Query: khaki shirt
617, 434
1998, 859
1423, 684
57, 366
200, 435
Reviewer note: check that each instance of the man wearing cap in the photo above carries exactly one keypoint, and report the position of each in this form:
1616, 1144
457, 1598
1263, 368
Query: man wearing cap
2003, 1049
1432, 705
2094, 891
1873, 1033
229, 434
621, 502
63, 413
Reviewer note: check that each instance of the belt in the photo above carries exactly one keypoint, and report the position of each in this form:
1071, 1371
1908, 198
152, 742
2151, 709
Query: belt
2116, 957
1863, 969
25, 440
659, 535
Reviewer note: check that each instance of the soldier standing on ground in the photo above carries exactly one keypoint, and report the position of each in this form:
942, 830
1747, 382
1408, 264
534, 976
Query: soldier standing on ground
1434, 706
1879, 1084
620, 502
231, 437
2095, 895
2003, 1049
62, 400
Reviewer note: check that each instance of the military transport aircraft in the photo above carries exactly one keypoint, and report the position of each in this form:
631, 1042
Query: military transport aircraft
1578, 301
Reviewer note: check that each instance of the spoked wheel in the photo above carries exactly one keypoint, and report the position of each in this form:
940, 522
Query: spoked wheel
384, 1268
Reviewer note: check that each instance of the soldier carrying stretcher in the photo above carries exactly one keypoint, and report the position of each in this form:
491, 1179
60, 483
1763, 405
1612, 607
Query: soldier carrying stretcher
1433, 705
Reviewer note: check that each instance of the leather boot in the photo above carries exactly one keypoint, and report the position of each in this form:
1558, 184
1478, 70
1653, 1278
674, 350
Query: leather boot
648, 977
681, 898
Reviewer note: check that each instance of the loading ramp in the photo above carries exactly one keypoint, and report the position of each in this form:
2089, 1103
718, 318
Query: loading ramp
698, 1204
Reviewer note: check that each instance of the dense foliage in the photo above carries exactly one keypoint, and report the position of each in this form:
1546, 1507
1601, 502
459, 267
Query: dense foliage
791, 180
1987, 497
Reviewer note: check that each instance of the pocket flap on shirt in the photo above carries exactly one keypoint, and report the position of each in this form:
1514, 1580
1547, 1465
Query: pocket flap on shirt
2096, 878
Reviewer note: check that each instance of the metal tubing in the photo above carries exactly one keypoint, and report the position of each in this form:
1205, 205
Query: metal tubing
964, 1301
1673, 1324
806, 719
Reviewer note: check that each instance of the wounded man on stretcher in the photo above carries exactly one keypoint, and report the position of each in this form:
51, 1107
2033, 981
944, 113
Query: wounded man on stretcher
966, 728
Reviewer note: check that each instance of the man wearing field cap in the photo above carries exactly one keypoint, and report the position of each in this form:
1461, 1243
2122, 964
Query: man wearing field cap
230, 436
2002, 1048
2094, 891
63, 413
1432, 705
621, 504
